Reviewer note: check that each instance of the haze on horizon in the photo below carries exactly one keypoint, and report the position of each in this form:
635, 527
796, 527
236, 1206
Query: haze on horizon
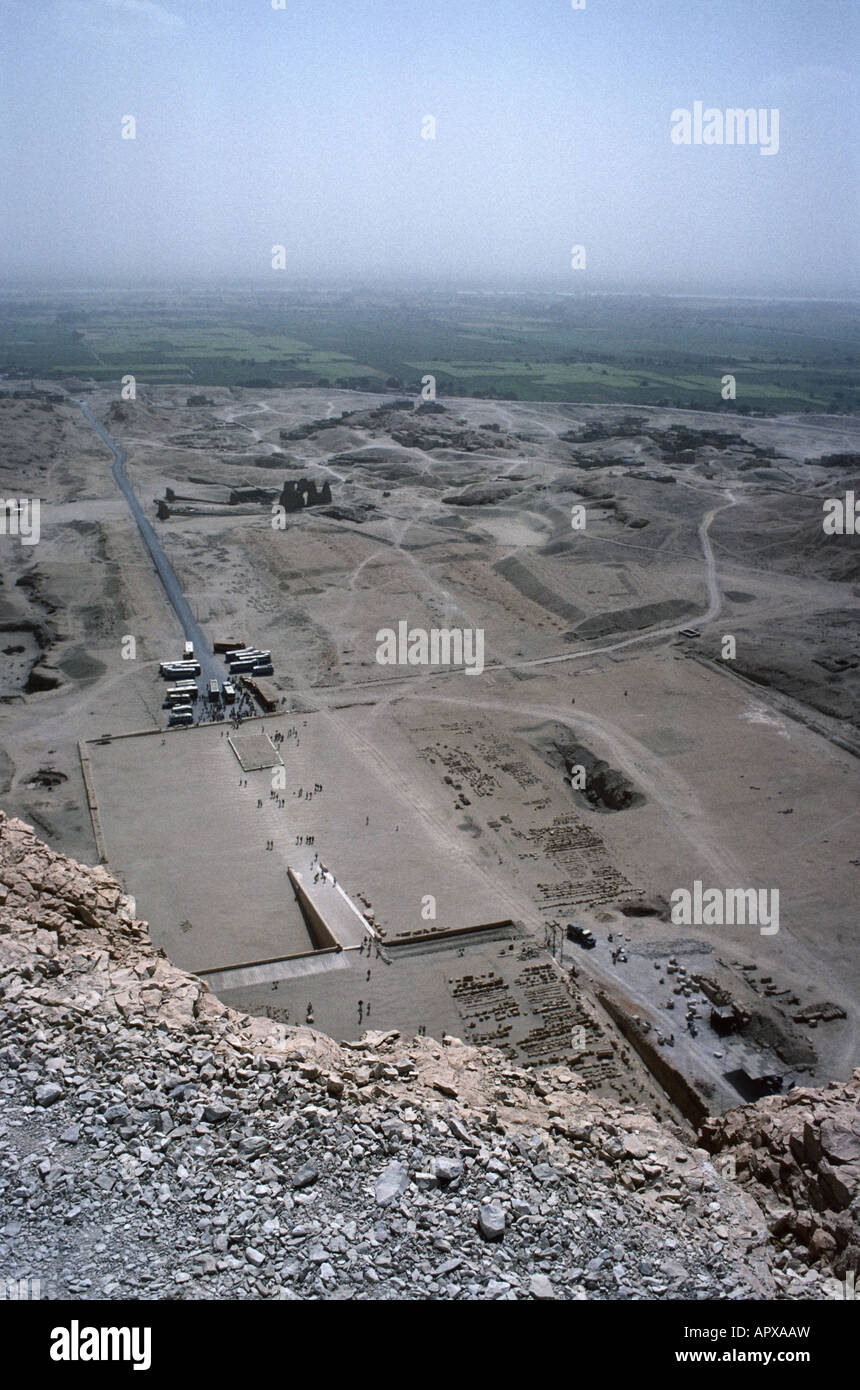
302, 127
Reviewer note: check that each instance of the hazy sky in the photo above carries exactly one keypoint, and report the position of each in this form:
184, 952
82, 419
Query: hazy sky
302, 126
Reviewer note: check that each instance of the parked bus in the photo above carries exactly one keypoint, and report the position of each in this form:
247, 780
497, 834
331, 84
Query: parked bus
214, 692
245, 652
265, 694
176, 696
177, 670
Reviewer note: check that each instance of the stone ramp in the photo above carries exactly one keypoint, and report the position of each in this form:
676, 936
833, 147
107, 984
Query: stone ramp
271, 971
331, 916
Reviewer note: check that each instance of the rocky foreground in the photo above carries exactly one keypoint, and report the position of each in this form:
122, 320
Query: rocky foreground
155, 1144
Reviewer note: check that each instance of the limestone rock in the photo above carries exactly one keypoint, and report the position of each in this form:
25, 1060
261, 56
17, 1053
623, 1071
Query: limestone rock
391, 1184
541, 1288
141, 1112
491, 1221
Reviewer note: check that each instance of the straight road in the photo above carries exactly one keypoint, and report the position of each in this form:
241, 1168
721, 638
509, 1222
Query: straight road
210, 667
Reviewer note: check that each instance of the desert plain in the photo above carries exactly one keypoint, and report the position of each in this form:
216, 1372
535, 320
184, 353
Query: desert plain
614, 747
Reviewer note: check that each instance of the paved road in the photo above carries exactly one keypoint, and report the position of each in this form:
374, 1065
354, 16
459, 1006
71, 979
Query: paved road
210, 667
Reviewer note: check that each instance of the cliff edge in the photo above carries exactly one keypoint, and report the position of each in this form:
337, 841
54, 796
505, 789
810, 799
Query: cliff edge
156, 1144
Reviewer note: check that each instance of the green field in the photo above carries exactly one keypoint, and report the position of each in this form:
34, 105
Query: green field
647, 350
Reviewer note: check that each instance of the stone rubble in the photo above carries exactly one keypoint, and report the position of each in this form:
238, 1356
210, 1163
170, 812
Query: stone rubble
799, 1155
155, 1144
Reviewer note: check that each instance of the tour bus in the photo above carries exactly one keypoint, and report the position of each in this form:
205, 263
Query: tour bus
262, 668
214, 692
229, 693
182, 715
178, 696
238, 667
251, 654
172, 670
189, 651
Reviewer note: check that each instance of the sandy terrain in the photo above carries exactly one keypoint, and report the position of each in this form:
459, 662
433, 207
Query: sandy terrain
740, 773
